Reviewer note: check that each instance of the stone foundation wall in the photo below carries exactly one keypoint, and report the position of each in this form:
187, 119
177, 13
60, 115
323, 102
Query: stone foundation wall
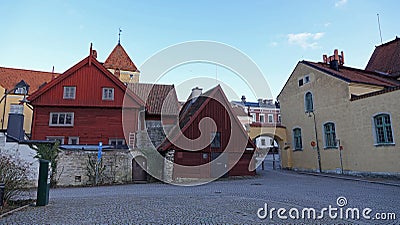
72, 168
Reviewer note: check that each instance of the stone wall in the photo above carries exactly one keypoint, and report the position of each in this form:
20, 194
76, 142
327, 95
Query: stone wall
72, 168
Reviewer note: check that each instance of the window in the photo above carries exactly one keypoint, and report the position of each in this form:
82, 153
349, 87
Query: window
279, 118
383, 129
263, 142
69, 92
216, 140
253, 116
117, 142
20, 90
330, 135
297, 142
73, 140
108, 94
262, 118
301, 82
60, 139
309, 106
270, 118
61, 119
307, 79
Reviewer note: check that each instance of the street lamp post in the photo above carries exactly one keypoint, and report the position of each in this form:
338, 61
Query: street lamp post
316, 140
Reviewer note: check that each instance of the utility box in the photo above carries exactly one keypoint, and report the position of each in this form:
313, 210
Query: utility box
43, 183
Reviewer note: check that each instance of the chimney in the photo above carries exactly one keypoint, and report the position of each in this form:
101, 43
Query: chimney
260, 100
334, 63
342, 59
325, 59
196, 92
243, 98
94, 53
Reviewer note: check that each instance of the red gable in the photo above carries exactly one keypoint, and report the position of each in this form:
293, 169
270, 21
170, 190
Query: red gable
88, 74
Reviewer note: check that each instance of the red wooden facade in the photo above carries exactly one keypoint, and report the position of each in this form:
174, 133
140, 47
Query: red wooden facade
94, 119
235, 151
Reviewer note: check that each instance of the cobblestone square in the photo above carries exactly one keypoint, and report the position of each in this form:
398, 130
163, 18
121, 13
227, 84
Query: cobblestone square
230, 201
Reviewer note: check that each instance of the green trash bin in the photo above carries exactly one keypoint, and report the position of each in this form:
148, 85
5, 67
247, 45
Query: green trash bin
43, 183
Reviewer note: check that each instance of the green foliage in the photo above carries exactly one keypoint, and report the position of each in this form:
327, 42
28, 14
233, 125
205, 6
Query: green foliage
49, 152
91, 167
14, 175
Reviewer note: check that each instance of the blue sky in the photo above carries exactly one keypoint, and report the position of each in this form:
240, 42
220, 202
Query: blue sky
274, 34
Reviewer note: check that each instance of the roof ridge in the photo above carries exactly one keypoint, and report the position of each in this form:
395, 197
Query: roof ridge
28, 70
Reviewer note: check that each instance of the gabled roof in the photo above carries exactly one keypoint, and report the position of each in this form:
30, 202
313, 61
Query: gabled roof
91, 60
353, 75
119, 59
386, 58
9, 77
192, 109
159, 98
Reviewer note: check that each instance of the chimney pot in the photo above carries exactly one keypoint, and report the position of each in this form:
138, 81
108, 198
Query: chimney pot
196, 92
243, 98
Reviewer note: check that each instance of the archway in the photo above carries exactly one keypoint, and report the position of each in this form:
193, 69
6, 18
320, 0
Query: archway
139, 167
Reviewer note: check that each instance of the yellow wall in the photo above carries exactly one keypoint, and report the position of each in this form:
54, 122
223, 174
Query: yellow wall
125, 76
14, 99
353, 123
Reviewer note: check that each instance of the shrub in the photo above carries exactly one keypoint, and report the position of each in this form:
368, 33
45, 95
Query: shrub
14, 175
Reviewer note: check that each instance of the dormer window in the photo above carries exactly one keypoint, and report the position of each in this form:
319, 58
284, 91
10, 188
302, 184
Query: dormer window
20, 90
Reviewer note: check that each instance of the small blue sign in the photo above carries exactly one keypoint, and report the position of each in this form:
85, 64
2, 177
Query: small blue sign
99, 151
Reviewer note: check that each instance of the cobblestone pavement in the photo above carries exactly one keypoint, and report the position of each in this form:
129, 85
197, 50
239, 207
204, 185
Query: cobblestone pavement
230, 201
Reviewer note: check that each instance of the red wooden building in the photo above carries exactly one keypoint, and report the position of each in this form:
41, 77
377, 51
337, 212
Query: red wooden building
84, 106
202, 150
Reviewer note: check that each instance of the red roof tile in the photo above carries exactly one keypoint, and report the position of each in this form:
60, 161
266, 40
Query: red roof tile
386, 58
9, 77
355, 75
158, 97
119, 59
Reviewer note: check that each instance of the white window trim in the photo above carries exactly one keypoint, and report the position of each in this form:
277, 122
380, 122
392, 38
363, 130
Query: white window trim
56, 137
73, 137
253, 117
293, 142
374, 130
323, 136
69, 97
106, 98
61, 125
259, 117
305, 79
305, 102
272, 116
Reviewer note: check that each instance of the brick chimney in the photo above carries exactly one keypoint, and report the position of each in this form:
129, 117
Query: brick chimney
196, 92
334, 60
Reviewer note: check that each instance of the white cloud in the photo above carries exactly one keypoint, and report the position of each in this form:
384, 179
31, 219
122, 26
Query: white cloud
340, 3
305, 40
327, 24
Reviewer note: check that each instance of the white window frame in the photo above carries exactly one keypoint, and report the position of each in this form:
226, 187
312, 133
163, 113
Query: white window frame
116, 141
51, 124
271, 116
253, 117
52, 138
324, 138
263, 118
374, 129
69, 92
307, 79
106, 95
71, 138
20, 91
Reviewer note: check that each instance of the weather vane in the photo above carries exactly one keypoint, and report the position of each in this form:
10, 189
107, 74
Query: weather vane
119, 36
